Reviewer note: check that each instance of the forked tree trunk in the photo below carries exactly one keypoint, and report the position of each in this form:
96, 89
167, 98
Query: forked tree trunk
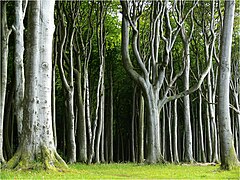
69, 87
100, 89
228, 155
152, 78
37, 143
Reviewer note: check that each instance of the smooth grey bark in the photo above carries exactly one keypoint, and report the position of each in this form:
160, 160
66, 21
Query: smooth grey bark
111, 116
228, 155
208, 135
54, 87
37, 143
186, 99
18, 27
150, 93
209, 42
5, 33
83, 48
235, 87
81, 122
88, 111
141, 130
163, 133
102, 115
81, 132
95, 123
175, 133
169, 119
214, 120
99, 113
132, 124
201, 139
69, 87
149, 85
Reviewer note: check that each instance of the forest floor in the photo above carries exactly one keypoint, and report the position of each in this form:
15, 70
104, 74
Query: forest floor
127, 171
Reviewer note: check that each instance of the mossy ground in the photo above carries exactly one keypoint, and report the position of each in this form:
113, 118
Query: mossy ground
126, 171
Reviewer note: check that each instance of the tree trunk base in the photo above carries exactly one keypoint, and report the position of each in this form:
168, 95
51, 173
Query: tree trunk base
48, 160
2, 162
160, 160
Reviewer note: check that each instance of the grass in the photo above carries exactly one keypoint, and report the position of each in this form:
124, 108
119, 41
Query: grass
126, 171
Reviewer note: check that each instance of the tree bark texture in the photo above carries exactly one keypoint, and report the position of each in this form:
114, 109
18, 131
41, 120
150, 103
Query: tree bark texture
5, 33
228, 155
20, 9
37, 143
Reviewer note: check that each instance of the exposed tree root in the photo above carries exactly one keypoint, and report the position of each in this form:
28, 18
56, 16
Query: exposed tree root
199, 164
159, 160
48, 160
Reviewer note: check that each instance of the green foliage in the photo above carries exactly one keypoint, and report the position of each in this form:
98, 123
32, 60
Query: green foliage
126, 171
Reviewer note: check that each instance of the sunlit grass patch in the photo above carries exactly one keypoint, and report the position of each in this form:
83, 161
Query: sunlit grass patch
126, 171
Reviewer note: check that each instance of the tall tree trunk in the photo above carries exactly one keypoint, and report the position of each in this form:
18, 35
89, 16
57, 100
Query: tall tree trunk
186, 100
101, 87
20, 9
163, 133
209, 133
201, 139
54, 104
141, 130
5, 33
81, 131
54, 86
111, 116
147, 81
175, 134
8, 121
37, 143
237, 126
154, 154
102, 143
87, 110
214, 124
132, 124
228, 155
169, 119
69, 87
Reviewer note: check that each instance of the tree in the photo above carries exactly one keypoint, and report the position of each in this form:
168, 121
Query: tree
68, 83
37, 143
5, 33
168, 48
99, 111
153, 69
228, 155
20, 9
186, 99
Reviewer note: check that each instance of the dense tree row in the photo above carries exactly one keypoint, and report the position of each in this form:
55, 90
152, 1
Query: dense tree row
109, 81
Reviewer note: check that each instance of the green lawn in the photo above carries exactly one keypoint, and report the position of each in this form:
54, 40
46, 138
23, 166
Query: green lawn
127, 171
